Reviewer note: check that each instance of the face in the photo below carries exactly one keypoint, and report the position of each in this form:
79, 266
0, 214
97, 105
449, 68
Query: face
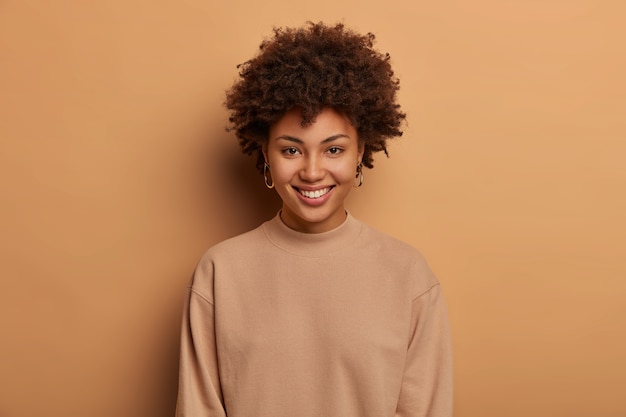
313, 168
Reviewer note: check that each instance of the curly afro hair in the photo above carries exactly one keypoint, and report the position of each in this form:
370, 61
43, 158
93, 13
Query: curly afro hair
311, 68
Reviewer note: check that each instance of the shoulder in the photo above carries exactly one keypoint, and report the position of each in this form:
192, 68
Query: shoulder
228, 252
387, 244
397, 255
235, 246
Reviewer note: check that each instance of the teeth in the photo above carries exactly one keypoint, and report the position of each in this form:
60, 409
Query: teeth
315, 194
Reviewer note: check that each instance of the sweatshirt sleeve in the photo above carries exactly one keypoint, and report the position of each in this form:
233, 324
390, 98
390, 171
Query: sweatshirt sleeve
199, 391
427, 384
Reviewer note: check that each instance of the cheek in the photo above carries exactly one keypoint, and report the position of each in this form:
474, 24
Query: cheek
282, 172
344, 172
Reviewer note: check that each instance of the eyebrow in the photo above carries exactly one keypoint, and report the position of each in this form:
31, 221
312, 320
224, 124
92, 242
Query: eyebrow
300, 141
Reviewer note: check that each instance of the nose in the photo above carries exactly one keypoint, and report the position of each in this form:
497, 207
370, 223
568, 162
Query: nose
312, 169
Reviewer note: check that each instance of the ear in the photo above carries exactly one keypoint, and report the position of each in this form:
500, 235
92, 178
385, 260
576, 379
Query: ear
264, 151
359, 157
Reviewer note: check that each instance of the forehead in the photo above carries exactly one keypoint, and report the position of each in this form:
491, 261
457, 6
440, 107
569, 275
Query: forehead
328, 123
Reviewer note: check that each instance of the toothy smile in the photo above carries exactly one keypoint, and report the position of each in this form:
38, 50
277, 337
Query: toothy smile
314, 194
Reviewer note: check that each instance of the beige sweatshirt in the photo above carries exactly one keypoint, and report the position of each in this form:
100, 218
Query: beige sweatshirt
346, 323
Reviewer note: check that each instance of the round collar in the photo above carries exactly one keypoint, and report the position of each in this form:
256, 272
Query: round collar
312, 245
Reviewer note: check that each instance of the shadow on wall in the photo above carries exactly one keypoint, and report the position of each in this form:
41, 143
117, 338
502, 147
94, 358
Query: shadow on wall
245, 201
164, 405
232, 199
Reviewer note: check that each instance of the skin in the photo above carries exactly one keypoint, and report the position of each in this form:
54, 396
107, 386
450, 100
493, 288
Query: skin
320, 157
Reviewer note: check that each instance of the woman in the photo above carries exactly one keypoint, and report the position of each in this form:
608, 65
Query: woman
313, 313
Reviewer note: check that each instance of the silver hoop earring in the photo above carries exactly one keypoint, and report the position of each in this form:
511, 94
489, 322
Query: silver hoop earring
359, 175
267, 184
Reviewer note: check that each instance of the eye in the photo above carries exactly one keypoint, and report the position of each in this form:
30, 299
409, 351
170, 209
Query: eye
335, 150
290, 151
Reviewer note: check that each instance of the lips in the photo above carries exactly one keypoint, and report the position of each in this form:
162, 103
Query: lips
313, 194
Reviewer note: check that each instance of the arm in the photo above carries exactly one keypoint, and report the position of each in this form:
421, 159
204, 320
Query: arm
427, 384
199, 391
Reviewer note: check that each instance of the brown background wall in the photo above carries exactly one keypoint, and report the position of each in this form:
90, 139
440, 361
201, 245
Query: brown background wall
116, 174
